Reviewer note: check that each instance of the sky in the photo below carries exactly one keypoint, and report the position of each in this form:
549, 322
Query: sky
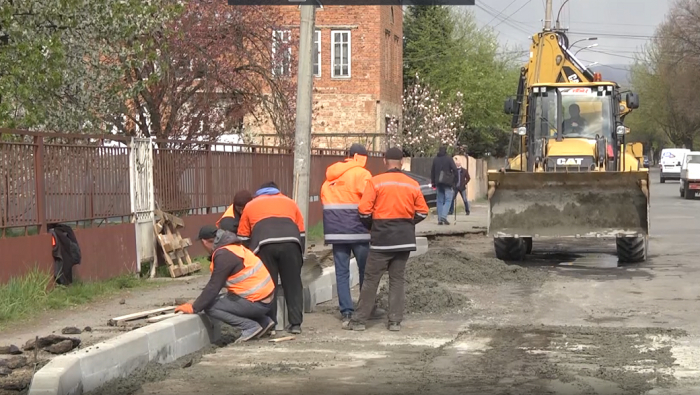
622, 26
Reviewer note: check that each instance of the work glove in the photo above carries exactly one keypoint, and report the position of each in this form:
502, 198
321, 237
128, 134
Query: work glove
185, 308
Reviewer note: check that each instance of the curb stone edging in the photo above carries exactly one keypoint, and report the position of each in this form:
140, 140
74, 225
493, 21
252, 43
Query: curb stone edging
90, 368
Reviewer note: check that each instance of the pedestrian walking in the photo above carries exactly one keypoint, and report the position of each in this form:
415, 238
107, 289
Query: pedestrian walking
249, 286
273, 228
340, 195
463, 179
232, 216
391, 206
442, 176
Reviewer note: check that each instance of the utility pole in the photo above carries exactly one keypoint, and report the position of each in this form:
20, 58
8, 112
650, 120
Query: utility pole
302, 136
548, 16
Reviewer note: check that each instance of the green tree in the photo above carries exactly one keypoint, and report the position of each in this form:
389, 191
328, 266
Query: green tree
452, 54
62, 62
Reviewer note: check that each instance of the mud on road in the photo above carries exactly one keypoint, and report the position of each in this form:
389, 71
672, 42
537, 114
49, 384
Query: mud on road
470, 332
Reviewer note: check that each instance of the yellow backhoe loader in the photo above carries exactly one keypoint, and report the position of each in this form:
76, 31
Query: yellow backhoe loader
573, 176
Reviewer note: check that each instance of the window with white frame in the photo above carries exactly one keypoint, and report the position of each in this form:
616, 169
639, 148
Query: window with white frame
317, 53
281, 53
341, 52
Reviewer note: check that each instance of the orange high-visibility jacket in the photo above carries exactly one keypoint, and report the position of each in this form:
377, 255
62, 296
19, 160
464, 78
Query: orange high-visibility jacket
254, 281
340, 195
229, 213
271, 219
392, 205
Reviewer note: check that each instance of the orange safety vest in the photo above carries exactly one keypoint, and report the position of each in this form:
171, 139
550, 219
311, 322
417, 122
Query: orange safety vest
229, 213
253, 282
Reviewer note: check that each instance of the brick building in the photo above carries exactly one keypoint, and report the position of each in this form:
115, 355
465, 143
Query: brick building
358, 70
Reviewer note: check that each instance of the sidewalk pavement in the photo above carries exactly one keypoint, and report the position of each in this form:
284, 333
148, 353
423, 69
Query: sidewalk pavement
473, 223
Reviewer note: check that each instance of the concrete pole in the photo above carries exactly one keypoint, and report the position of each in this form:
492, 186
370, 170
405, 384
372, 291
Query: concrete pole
548, 16
302, 137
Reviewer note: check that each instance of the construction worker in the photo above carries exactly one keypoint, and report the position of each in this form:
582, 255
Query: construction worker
342, 228
273, 228
249, 285
229, 221
391, 206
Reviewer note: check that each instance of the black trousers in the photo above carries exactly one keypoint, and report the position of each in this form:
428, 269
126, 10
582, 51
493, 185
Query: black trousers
285, 260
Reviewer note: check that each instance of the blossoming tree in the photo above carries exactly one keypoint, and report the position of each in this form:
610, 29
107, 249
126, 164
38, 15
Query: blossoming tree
429, 120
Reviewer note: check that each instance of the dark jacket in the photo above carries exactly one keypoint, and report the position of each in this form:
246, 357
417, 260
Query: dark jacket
445, 163
66, 253
462, 178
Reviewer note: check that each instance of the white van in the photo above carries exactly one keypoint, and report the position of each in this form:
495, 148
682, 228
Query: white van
670, 163
690, 175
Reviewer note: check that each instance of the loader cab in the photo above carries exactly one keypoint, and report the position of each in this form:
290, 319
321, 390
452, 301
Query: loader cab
573, 120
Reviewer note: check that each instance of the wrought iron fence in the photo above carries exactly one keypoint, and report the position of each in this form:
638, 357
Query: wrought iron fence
48, 178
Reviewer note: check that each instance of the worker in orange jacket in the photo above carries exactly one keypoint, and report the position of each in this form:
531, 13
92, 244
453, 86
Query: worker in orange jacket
249, 286
391, 206
340, 195
273, 228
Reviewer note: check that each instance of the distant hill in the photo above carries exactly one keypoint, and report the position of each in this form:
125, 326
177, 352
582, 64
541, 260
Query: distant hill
614, 72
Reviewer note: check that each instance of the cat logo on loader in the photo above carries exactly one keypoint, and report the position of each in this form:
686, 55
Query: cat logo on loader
569, 161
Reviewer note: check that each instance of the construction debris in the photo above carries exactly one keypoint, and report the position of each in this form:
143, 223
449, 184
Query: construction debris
11, 349
71, 330
61, 347
43, 342
174, 247
15, 362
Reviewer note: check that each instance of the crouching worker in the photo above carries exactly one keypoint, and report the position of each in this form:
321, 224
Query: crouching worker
249, 287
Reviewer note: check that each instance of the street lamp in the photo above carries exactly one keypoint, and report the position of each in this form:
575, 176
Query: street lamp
583, 39
590, 46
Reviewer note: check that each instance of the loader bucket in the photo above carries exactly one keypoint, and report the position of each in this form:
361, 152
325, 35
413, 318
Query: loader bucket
549, 204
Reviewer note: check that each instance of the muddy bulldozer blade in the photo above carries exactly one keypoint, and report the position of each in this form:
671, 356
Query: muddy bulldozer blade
592, 204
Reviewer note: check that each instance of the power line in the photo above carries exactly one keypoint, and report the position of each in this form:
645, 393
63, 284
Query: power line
521, 7
501, 12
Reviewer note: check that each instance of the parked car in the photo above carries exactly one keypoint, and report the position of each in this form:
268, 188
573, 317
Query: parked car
646, 161
428, 190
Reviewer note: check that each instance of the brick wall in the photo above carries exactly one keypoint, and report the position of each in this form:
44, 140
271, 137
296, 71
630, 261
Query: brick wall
361, 102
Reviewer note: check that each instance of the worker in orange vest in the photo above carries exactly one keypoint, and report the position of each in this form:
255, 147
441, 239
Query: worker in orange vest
391, 206
232, 216
249, 285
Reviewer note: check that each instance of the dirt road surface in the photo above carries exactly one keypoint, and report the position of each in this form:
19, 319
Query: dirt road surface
562, 323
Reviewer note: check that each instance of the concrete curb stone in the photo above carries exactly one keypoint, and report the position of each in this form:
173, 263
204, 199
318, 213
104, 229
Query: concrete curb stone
163, 342
89, 368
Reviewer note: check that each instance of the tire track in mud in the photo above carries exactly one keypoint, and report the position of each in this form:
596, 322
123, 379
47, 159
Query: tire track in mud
560, 360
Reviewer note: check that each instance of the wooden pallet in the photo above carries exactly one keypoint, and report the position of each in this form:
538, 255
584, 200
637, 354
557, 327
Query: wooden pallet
174, 247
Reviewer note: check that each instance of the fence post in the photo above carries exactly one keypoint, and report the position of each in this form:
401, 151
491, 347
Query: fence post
208, 180
40, 183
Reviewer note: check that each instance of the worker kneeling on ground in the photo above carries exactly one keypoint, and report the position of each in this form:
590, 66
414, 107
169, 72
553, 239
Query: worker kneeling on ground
391, 206
249, 285
342, 228
273, 227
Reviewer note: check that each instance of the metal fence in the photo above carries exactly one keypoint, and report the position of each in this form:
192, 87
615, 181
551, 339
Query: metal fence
48, 178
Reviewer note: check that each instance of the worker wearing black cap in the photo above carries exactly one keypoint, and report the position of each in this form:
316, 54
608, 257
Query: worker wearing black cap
392, 204
249, 285
340, 195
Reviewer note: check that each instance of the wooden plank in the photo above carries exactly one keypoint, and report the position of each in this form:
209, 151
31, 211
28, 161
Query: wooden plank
141, 314
282, 339
162, 317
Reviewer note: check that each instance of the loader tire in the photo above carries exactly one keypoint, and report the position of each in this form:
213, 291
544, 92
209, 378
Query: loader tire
510, 248
528, 243
632, 249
